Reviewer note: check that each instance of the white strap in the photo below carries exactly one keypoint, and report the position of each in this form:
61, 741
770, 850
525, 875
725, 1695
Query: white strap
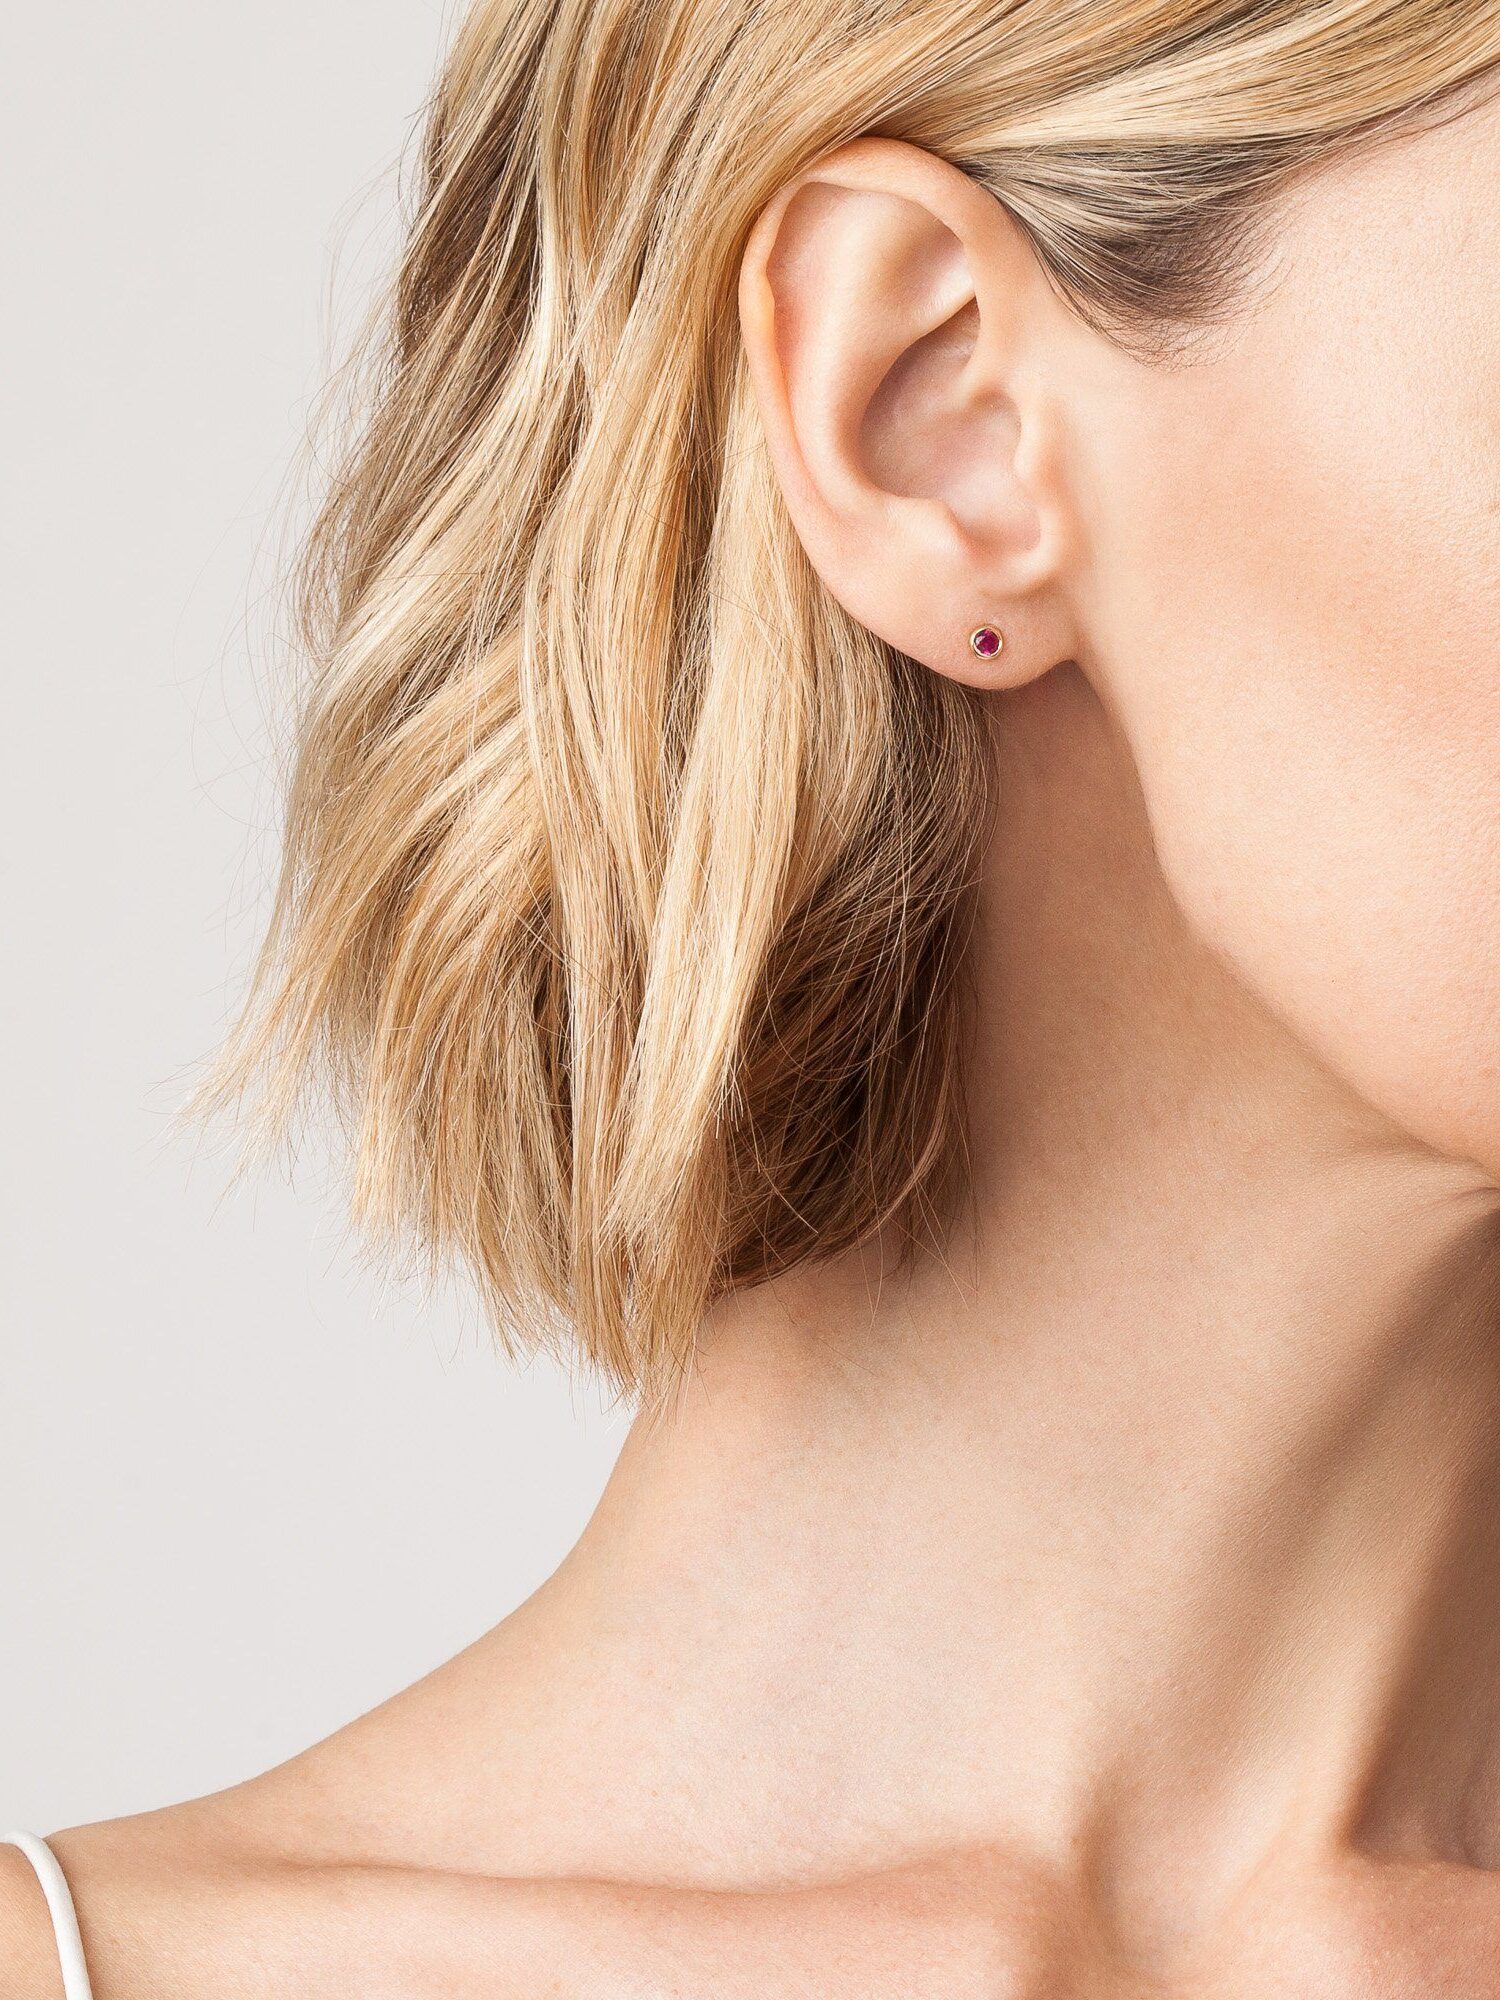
60, 1904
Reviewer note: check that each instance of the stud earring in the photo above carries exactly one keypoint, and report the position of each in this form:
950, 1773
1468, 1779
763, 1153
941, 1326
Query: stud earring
986, 641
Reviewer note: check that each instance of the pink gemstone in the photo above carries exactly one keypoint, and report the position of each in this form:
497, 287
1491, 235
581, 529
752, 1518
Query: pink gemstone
986, 642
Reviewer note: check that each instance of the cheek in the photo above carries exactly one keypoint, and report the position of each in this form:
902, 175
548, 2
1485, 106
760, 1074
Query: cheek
1305, 653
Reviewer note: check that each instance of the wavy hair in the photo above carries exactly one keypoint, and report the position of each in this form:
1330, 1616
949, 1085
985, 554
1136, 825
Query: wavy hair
626, 878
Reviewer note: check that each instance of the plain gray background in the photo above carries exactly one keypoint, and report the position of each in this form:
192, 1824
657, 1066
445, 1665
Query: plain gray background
247, 1489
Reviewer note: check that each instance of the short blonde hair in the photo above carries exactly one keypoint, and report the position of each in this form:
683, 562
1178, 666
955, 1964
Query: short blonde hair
626, 878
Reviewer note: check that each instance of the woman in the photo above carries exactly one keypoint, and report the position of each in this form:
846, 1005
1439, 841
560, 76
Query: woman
897, 838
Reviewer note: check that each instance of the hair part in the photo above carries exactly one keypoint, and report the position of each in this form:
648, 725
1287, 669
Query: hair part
627, 880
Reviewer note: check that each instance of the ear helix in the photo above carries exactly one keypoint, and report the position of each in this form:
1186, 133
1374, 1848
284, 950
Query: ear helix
986, 641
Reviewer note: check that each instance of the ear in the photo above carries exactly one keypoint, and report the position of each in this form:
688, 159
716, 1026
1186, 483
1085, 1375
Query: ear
899, 333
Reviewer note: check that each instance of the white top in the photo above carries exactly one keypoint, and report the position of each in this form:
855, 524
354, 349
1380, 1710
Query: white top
60, 1904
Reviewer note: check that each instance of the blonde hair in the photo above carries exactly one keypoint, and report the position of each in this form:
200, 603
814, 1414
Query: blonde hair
627, 879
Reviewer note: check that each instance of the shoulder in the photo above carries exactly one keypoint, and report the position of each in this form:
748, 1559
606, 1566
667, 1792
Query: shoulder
158, 1893
150, 1892
28, 1954
203, 1902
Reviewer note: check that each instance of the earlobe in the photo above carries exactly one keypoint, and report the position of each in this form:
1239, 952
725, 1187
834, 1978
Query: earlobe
886, 304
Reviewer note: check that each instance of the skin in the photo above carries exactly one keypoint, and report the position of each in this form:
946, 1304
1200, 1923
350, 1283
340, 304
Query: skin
1110, 1611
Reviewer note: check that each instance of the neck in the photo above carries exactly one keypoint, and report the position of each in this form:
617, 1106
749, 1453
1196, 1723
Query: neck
1148, 1532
